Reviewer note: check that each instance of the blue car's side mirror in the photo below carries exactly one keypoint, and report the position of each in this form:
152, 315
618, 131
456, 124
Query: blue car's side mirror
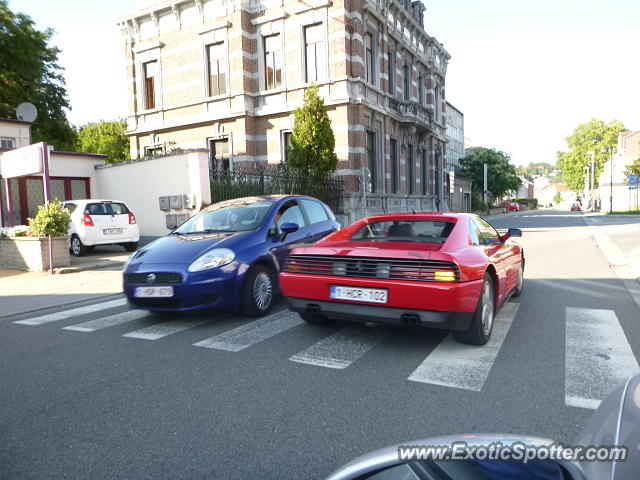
287, 228
515, 232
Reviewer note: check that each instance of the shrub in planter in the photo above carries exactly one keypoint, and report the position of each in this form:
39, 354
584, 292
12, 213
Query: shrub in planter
51, 219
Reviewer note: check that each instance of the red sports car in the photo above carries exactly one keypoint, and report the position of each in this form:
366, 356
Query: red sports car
442, 270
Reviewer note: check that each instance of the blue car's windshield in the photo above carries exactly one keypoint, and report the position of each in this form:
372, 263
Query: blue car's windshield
238, 216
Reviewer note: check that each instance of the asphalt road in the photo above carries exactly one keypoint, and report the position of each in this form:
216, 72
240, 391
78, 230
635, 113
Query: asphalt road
262, 402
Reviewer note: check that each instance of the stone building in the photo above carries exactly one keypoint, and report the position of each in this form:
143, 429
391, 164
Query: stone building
227, 75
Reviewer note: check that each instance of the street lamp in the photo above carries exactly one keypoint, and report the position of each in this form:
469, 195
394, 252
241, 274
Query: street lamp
609, 151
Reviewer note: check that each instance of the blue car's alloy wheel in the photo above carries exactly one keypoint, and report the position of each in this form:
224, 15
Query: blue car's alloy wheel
259, 289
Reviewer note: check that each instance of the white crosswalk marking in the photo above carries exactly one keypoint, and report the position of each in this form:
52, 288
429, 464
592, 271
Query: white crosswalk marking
453, 364
154, 332
342, 348
598, 356
247, 335
54, 317
109, 321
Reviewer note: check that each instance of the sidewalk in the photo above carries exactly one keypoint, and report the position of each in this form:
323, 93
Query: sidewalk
618, 236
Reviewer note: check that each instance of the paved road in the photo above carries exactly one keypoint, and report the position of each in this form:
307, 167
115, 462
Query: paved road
98, 391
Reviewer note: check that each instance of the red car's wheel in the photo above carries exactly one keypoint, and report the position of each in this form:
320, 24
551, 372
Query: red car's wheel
518, 289
481, 325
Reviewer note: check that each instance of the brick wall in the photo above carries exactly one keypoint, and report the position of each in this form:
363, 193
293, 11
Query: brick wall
26, 253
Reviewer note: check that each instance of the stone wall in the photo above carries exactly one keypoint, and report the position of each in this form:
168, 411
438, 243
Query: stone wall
32, 253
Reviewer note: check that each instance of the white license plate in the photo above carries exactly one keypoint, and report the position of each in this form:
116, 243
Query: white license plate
112, 231
148, 292
371, 295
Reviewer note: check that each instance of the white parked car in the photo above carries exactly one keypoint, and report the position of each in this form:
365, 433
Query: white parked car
101, 222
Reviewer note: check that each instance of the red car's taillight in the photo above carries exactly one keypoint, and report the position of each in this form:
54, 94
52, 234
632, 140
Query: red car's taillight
132, 218
86, 220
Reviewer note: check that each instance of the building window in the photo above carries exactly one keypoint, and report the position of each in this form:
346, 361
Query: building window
272, 61
153, 150
424, 170
393, 154
392, 72
420, 90
371, 158
368, 56
150, 71
411, 170
407, 81
6, 142
286, 143
438, 105
315, 61
219, 150
217, 69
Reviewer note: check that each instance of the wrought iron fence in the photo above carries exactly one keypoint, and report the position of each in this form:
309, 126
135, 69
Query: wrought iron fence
270, 180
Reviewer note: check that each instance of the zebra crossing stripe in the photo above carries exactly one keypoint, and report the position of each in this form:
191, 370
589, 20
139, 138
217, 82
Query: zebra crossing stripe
109, 321
252, 333
453, 364
164, 329
598, 356
342, 348
54, 317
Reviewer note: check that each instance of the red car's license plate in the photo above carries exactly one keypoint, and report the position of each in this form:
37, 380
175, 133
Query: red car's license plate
371, 295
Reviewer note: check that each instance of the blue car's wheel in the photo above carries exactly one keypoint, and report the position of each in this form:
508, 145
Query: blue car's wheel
259, 289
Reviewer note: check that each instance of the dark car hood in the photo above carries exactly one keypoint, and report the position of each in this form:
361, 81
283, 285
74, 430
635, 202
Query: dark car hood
184, 249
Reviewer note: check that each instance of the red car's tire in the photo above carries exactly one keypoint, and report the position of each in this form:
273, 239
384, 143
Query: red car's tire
481, 326
519, 286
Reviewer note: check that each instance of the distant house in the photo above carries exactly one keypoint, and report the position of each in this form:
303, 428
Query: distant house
72, 175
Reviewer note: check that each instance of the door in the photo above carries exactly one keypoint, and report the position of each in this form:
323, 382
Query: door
320, 225
289, 212
499, 253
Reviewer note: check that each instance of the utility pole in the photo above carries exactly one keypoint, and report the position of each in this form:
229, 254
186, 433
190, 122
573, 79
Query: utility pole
485, 191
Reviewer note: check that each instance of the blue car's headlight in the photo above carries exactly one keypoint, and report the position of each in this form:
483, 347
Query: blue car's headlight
215, 258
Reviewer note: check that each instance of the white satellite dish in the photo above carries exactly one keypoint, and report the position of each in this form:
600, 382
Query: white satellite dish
26, 112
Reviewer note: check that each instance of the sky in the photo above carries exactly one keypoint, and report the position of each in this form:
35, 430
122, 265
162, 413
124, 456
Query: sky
524, 73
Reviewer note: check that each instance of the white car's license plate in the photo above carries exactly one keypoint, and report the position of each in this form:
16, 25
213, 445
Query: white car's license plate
372, 295
147, 292
112, 231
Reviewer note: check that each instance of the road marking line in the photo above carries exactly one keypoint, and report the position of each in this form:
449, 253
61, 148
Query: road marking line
154, 332
342, 348
598, 356
109, 321
453, 364
255, 332
54, 317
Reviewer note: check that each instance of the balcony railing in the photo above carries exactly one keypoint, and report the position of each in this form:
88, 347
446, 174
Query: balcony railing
411, 111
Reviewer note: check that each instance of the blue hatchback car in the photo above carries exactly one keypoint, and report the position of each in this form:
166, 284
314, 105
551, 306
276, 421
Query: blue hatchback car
228, 255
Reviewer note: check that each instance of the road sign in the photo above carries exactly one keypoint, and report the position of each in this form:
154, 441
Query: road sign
634, 180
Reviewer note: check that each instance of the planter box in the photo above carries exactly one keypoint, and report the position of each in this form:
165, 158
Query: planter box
32, 253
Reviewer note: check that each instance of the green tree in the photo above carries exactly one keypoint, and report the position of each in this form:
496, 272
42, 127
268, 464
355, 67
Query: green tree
594, 136
29, 72
51, 219
106, 137
501, 175
557, 198
535, 169
634, 168
312, 142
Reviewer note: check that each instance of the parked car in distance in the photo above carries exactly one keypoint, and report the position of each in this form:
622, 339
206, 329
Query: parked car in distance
449, 271
101, 222
226, 256
510, 206
576, 207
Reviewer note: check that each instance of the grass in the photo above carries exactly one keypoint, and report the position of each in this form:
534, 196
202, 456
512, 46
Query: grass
625, 212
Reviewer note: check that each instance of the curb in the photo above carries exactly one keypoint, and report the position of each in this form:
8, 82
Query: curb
53, 307
91, 266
